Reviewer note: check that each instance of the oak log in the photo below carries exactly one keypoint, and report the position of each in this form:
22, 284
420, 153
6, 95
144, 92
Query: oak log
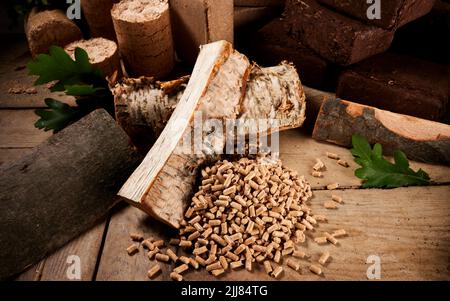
61, 189
419, 139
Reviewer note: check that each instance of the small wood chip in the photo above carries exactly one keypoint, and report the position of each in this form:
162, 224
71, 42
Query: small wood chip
319, 165
317, 174
330, 205
277, 272
332, 156
181, 268
331, 238
184, 259
315, 269
236, 264
162, 257
136, 236
147, 244
194, 263
343, 163
133, 249
299, 254
268, 267
153, 271
293, 264
172, 255
324, 258
218, 272
333, 186
321, 240
176, 276
337, 199
339, 233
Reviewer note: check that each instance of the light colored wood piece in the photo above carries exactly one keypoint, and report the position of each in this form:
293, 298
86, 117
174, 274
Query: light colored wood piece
49, 27
98, 17
144, 35
419, 139
199, 22
103, 54
162, 184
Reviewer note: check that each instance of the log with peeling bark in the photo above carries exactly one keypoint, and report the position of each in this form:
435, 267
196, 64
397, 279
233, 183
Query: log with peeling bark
144, 35
103, 54
220, 87
419, 139
143, 106
98, 17
61, 189
45, 28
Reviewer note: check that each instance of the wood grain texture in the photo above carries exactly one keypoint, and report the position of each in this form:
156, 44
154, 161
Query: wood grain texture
408, 228
299, 151
14, 57
56, 266
17, 129
12, 154
419, 139
115, 263
55, 201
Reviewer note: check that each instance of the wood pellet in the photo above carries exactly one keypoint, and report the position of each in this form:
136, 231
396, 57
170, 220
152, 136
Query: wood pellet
244, 214
324, 258
153, 271
315, 269
332, 156
133, 249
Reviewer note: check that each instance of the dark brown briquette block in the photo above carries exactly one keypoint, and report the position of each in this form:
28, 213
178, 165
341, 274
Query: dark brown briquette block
337, 38
273, 44
394, 13
400, 84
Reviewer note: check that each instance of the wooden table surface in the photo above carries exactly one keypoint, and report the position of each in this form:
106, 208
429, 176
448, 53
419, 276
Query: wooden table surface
407, 228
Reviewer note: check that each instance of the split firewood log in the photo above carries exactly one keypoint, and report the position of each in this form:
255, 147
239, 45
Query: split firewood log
103, 54
419, 139
144, 35
143, 106
220, 88
45, 28
98, 17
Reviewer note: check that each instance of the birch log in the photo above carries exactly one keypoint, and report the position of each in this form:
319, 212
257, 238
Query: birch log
45, 28
163, 183
103, 54
419, 139
98, 17
144, 36
144, 106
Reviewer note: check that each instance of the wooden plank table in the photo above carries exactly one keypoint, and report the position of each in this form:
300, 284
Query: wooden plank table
407, 228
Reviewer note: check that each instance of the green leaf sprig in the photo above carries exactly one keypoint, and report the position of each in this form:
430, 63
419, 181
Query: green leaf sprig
75, 77
377, 172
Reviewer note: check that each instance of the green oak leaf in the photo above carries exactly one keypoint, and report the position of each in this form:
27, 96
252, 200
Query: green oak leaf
377, 172
56, 117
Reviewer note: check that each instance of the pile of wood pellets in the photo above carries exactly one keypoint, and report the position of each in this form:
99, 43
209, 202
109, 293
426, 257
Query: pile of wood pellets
245, 212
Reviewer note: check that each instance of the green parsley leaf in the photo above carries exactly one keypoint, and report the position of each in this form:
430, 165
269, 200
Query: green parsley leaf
377, 172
